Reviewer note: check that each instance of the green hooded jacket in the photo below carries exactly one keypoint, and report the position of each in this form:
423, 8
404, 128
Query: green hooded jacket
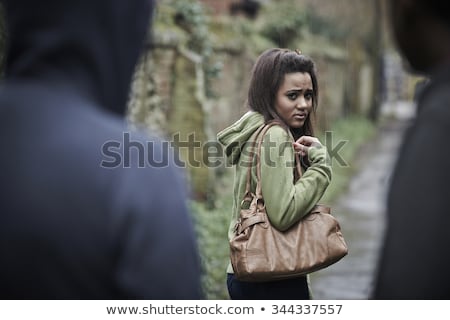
286, 202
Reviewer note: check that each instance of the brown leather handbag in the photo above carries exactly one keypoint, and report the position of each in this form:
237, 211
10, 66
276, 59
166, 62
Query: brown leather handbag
259, 252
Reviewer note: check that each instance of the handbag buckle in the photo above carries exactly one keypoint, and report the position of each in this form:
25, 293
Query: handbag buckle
237, 225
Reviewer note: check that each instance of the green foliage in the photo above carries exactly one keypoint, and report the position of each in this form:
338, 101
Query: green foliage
212, 231
354, 131
319, 25
191, 17
283, 21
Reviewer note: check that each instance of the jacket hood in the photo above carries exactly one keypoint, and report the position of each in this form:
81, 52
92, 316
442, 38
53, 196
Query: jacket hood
235, 136
89, 44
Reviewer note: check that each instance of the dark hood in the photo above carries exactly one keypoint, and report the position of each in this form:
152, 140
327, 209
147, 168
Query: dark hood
90, 44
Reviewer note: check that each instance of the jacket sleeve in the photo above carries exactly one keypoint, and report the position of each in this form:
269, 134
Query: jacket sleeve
286, 202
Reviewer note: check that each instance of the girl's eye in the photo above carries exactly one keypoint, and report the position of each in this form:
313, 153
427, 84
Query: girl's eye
308, 96
292, 96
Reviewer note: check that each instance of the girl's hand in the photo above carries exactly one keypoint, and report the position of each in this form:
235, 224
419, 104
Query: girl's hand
303, 144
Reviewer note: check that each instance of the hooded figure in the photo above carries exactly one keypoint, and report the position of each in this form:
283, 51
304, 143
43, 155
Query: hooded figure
413, 261
82, 216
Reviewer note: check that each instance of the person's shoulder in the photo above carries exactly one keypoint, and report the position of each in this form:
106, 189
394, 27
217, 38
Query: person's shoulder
277, 133
435, 105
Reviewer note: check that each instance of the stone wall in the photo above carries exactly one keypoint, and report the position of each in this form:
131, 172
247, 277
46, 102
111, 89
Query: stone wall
218, 7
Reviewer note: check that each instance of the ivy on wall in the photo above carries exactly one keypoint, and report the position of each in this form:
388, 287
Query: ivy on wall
283, 22
191, 16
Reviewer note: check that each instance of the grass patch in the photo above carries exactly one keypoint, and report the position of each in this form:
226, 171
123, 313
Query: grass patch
354, 132
212, 230
212, 225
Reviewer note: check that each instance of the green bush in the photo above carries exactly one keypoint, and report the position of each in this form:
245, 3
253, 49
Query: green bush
212, 230
283, 21
353, 131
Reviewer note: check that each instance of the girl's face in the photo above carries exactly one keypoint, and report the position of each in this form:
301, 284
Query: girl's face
294, 100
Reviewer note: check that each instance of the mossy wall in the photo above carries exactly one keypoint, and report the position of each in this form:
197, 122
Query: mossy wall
186, 119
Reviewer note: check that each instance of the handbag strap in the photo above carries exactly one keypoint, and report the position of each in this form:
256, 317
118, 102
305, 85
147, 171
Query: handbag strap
258, 140
249, 170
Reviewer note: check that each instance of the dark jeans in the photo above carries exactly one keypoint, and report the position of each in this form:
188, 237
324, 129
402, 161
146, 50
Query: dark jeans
290, 289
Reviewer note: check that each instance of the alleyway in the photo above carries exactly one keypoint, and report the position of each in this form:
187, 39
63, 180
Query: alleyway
361, 211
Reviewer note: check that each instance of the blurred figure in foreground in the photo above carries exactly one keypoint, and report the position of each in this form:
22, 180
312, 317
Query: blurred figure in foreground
414, 261
80, 216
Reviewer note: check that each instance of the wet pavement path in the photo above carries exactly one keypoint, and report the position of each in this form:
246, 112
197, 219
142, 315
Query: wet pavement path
360, 212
